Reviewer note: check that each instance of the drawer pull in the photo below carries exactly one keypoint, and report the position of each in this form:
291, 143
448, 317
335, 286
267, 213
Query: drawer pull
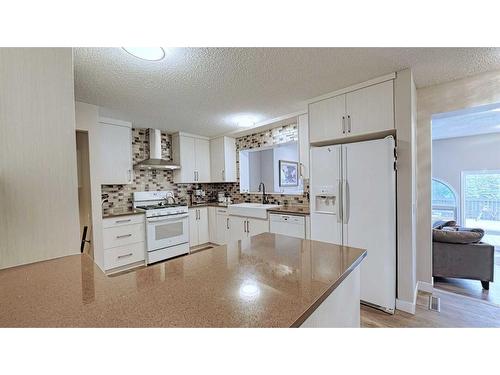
125, 255
124, 235
123, 221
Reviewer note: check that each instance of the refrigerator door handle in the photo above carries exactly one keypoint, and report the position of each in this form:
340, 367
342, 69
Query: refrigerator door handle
339, 203
347, 202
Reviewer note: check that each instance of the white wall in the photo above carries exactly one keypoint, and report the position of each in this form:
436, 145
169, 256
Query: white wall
465, 93
452, 156
38, 175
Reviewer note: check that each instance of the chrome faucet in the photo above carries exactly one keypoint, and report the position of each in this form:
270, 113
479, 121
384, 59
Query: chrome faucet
262, 188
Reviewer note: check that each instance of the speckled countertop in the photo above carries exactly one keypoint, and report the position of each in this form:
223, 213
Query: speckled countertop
122, 212
293, 210
266, 281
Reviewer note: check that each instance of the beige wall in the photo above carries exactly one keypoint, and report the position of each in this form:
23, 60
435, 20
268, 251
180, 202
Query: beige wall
38, 177
451, 96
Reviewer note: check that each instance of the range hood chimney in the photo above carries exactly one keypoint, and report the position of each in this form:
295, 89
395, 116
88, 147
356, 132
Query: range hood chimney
155, 161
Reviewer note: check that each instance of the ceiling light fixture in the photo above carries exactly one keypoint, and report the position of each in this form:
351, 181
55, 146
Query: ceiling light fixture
246, 123
146, 53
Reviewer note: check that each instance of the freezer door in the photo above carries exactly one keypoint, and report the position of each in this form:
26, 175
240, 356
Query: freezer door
369, 216
325, 194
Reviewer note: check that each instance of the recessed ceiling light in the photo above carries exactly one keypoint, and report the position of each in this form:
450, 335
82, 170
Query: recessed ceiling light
146, 53
246, 122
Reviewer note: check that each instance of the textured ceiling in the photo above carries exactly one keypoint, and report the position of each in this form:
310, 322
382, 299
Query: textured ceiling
203, 90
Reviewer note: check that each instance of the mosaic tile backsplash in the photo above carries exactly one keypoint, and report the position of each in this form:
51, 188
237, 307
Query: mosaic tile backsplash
120, 196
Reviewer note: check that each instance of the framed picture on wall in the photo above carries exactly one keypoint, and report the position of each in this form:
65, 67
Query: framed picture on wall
289, 173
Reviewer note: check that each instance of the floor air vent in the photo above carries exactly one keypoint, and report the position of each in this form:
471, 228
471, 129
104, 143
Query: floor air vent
434, 303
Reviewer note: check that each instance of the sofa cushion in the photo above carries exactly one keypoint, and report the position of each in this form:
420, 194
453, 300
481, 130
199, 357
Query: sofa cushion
462, 235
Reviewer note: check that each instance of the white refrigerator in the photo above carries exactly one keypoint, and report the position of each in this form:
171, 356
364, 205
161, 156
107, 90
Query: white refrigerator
353, 203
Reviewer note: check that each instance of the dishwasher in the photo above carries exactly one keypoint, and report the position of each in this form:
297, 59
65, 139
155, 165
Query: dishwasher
289, 225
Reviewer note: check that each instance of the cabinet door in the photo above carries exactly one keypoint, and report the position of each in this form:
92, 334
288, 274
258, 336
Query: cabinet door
202, 157
222, 235
203, 234
115, 154
237, 228
193, 227
229, 159
304, 145
370, 109
184, 153
325, 119
257, 226
212, 224
217, 159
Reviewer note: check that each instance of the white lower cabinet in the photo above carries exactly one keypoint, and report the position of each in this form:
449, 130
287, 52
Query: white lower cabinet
198, 226
123, 241
245, 227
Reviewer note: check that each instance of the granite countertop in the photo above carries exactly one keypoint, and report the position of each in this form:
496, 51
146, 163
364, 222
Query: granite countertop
268, 280
209, 204
122, 212
293, 210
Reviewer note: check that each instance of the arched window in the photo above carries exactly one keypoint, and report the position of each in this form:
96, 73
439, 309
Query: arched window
444, 201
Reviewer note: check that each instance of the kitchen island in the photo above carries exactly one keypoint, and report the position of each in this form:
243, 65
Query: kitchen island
268, 280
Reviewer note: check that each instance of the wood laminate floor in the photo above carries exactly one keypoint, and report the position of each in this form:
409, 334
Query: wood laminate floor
456, 311
473, 288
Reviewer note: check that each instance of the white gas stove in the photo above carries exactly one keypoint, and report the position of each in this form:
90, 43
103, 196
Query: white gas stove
167, 224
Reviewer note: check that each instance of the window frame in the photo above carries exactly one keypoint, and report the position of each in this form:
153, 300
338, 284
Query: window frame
463, 174
457, 209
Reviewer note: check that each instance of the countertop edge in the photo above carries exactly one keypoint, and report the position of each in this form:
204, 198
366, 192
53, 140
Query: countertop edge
308, 312
111, 215
286, 212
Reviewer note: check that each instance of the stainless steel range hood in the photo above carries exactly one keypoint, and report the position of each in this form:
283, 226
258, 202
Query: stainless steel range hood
155, 161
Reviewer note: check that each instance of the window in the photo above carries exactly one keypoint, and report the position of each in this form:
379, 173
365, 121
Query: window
481, 203
444, 201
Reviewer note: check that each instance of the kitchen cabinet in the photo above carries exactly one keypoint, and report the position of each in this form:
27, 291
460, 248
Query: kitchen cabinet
124, 242
245, 227
198, 226
303, 126
114, 139
362, 111
222, 226
223, 159
192, 153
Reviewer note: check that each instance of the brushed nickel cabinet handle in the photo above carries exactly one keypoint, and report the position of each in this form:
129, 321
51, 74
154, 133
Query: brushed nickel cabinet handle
349, 123
227, 223
124, 235
125, 255
343, 124
122, 221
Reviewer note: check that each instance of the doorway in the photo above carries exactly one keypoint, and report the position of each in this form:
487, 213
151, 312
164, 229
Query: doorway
84, 200
466, 189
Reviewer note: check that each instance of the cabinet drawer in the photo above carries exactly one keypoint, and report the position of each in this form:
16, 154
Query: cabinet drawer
123, 235
122, 220
124, 255
222, 211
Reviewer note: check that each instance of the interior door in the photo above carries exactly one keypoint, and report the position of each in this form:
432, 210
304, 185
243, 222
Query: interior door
325, 192
202, 153
325, 119
371, 109
370, 216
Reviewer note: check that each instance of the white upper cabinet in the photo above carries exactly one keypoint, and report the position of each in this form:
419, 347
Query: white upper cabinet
223, 159
192, 153
303, 126
366, 110
370, 109
115, 151
326, 119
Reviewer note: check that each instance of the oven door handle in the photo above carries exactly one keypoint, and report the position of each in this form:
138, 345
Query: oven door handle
176, 218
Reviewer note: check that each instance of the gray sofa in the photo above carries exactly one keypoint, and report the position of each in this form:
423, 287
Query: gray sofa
464, 261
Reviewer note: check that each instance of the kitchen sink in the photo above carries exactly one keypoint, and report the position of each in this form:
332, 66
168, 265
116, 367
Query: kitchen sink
256, 210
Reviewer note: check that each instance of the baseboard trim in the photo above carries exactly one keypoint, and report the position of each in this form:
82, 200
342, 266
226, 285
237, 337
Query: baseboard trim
425, 287
405, 306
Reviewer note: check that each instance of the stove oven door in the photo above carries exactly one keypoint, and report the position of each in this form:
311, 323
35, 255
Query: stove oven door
166, 231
